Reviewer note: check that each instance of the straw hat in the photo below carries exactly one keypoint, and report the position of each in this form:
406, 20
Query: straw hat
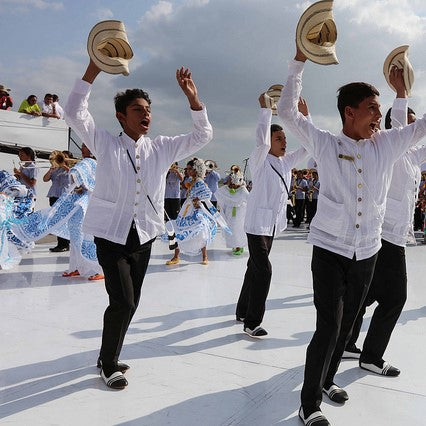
399, 57
316, 33
4, 88
272, 96
109, 48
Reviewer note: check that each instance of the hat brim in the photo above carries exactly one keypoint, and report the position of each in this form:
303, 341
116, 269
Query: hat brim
399, 58
109, 48
316, 33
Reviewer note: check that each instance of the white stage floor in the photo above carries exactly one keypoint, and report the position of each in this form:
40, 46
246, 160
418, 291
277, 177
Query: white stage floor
191, 364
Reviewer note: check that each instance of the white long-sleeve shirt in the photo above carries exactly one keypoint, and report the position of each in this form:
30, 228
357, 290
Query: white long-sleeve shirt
351, 203
404, 188
120, 194
267, 201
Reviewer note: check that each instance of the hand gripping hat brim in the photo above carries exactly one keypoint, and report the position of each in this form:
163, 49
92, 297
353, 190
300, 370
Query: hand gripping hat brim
399, 57
272, 96
109, 48
316, 33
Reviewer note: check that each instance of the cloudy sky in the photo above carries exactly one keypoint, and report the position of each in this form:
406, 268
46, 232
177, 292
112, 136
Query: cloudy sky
235, 48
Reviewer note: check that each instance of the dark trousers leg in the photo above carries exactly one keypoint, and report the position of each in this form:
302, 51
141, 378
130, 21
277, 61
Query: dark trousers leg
340, 286
300, 211
171, 207
124, 267
257, 280
62, 242
389, 289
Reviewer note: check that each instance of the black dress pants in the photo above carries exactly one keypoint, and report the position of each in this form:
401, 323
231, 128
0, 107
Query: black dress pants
340, 286
389, 289
62, 242
124, 267
171, 207
300, 211
257, 280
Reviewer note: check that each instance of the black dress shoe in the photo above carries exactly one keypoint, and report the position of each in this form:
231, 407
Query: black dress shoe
115, 381
121, 365
383, 368
315, 419
336, 394
351, 352
58, 249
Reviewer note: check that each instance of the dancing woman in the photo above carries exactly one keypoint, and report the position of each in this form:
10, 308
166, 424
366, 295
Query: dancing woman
65, 219
195, 226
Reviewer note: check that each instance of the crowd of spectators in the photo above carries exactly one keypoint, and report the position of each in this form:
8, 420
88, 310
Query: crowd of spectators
50, 106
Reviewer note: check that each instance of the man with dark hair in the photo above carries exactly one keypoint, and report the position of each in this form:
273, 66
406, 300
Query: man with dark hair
48, 107
389, 285
270, 168
345, 231
125, 213
29, 106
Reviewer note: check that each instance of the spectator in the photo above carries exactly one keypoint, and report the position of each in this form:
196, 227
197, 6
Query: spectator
212, 179
6, 102
60, 183
27, 172
59, 109
29, 106
48, 108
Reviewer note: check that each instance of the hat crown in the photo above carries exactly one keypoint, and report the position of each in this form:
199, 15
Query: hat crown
399, 58
109, 47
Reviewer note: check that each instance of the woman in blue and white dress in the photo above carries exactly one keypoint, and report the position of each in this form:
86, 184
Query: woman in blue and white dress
195, 226
65, 219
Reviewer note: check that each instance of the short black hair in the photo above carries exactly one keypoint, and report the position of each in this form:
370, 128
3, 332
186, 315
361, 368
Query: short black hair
275, 128
28, 151
352, 95
31, 96
388, 124
123, 99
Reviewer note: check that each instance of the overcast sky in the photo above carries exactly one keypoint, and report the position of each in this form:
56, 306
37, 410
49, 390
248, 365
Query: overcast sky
235, 48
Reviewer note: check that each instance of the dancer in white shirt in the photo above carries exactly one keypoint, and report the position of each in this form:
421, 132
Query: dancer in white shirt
389, 284
346, 229
125, 213
270, 168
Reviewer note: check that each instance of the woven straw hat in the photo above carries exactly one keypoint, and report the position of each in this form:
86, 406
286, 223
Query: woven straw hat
272, 96
399, 57
316, 33
109, 48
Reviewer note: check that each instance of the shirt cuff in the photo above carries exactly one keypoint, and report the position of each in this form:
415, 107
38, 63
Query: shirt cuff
199, 115
400, 103
82, 87
295, 67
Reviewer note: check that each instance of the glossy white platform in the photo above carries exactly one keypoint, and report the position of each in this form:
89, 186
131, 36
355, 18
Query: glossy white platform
190, 362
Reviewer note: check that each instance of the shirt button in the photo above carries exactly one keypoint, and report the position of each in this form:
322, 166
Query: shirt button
135, 215
138, 181
359, 170
359, 199
138, 168
358, 156
137, 192
356, 226
360, 185
359, 214
138, 203
138, 156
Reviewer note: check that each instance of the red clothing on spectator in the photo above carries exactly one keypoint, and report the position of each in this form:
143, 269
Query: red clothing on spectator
6, 102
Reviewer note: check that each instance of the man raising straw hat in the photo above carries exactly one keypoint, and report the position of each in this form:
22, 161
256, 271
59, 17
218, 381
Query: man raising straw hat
361, 158
125, 213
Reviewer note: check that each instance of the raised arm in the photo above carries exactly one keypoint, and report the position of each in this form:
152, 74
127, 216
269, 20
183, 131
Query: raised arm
263, 136
288, 108
184, 79
77, 115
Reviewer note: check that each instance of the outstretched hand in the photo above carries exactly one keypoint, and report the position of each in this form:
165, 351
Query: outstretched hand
302, 106
184, 79
396, 78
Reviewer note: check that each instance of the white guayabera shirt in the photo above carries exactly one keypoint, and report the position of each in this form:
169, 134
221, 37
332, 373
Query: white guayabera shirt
355, 175
128, 171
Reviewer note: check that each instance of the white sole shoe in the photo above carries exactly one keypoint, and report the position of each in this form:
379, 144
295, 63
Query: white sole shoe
315, 419
386, 370
115, 381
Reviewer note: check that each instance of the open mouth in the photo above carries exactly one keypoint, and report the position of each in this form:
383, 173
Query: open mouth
145, 123
375, 126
